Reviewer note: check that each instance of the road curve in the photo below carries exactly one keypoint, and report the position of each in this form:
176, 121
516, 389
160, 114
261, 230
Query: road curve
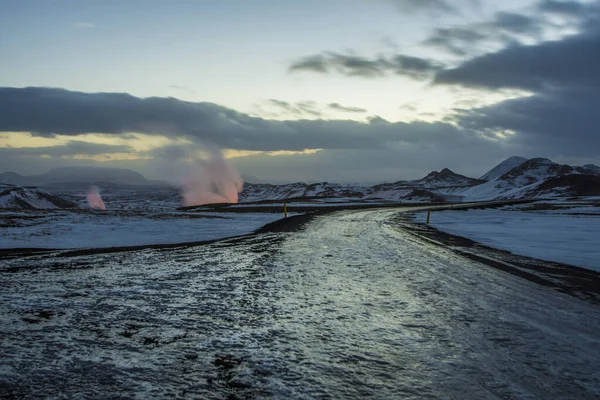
351, 306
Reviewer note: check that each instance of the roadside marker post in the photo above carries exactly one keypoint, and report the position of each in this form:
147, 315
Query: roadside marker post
428, 215
284, 210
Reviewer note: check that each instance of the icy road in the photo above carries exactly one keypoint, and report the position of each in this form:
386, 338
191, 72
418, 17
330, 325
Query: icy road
349, 307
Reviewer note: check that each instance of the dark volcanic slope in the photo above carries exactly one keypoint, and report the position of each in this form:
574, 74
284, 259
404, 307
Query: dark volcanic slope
15, 197
446, 178
572, 185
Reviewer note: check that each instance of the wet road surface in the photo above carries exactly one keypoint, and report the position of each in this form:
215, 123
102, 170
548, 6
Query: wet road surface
351, 306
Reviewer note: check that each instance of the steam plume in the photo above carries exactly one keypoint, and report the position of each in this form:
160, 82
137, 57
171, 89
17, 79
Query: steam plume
94, 200
212, 180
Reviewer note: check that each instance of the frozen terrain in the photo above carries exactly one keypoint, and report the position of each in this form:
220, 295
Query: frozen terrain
350, 307
64, 229
566, 233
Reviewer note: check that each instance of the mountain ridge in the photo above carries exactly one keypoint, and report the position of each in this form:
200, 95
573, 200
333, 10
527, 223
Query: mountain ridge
527, 178
503, 168
27, 198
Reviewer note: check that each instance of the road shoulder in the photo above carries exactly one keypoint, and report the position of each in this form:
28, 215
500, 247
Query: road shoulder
575, 281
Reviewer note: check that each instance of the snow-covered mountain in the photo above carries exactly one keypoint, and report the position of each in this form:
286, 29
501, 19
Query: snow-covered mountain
12, 196
444, 179
533, 178
418, 190
515, 177
424, 189
265, 191
537, 177
435, 187
503, 167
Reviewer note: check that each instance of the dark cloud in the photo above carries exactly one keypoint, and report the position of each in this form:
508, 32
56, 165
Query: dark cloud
309, 107
172, 152
558, 121
413, 6
456, 40
298, 109
349, 65
46, 112
561, 114
280, 103
571, 62
339, 107
504, 29
315, 63
413, 66
572, 8
353, 65
585, 14
565, 120
72, 148
516, 23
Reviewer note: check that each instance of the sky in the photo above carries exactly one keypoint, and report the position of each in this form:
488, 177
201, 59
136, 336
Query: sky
338, 90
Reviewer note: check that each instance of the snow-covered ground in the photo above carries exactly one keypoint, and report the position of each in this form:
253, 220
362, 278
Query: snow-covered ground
567, 235
63, 229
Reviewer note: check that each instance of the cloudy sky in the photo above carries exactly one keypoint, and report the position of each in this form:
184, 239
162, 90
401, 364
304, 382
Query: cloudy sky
339, 90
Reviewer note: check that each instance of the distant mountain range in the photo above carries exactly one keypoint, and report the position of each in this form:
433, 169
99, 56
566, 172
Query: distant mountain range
515, 177
79, 175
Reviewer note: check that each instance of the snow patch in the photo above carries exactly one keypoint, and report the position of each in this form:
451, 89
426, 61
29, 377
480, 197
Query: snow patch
546, 235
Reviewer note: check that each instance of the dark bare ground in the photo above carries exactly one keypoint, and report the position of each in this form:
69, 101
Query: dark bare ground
568, 279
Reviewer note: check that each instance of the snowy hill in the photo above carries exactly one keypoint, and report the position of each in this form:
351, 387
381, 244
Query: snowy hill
444, 179
265, 191
407, 193
591, 168
12, 196
533, 178
391, 191
503, 167
435, 187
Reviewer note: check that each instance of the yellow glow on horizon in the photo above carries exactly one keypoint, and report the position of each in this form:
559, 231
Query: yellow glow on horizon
230, 153
25, 139
138, 141
107, 157
288, 152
